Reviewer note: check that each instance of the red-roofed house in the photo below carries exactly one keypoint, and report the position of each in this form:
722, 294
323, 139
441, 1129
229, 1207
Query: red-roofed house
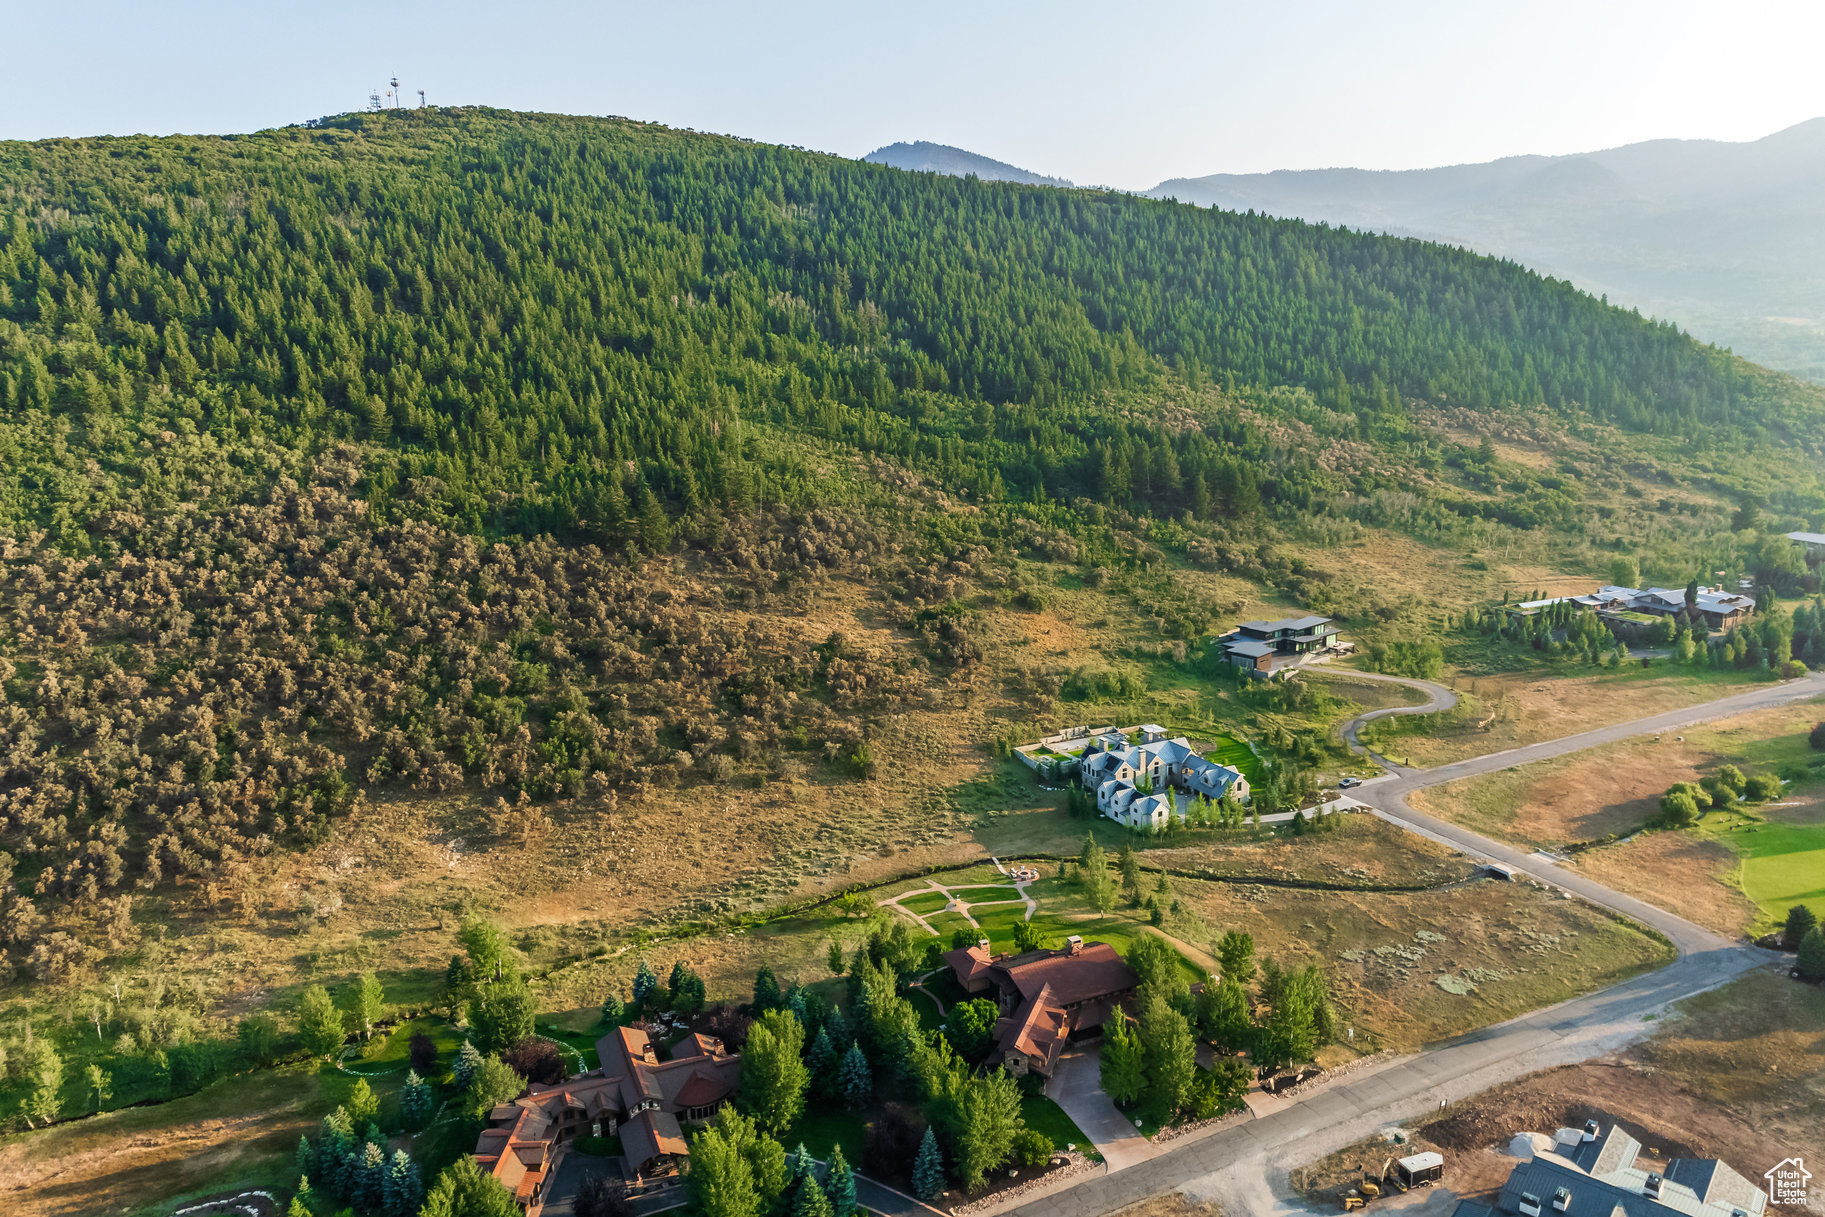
634, 1094
1047, 998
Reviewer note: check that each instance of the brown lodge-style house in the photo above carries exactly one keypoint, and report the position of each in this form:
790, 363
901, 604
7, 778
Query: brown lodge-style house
1047, 998
634, 1095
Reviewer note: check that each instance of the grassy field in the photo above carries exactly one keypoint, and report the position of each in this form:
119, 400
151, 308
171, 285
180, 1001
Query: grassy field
1499, 711
1782, 865
1736, 871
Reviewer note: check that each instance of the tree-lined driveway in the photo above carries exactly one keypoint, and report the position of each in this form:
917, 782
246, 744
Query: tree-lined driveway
1244, 1167
1076, 1086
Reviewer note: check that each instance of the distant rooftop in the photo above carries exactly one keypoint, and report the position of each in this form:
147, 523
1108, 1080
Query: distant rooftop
1286, 623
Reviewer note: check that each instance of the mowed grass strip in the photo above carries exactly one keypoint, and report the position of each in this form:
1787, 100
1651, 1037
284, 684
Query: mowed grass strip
1783, 864
925, 902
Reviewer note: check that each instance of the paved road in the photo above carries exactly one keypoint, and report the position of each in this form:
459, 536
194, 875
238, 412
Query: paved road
1243, 1167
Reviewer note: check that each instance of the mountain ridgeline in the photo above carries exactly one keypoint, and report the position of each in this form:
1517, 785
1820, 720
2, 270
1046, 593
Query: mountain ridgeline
922, 156
601, 328
1721, 237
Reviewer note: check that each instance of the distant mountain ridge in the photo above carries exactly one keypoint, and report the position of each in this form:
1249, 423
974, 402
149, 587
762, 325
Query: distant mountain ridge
1723, 238
922, 156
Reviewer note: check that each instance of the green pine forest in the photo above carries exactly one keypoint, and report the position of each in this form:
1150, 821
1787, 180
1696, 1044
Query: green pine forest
603, 330
335, 459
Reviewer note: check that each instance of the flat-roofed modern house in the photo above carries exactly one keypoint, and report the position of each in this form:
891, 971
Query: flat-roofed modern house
1267, 647
1717, 608
1595, 1174
1812, 542
1046, 998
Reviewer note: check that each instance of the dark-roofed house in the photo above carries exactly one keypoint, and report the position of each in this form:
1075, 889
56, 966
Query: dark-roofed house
1267, 647
634, 1094
1047, 998
1598, 1177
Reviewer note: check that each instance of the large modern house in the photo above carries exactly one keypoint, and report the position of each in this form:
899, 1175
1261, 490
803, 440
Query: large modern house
1717, 608
1047, 998
1265, 648
1137, 784
634, 1095
1588, 1174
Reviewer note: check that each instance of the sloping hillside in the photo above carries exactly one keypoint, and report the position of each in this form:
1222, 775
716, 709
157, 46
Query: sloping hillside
1720, 237
463, 450
922, 156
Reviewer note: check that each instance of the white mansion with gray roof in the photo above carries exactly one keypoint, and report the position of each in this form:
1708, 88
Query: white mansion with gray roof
1114, 769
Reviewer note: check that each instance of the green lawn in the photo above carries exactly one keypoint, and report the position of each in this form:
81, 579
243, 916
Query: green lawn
948, 923
825, 1124
929, 1018
925, 902
1228, 750
1783, 864
1043, 1115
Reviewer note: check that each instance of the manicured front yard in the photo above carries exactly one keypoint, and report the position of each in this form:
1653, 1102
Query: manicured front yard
1044, 1116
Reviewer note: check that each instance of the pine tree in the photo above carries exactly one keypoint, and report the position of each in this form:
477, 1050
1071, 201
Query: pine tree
1812, 955
404, 1190
833, 958
612, 1012
839, 1184
368, 1185
646, 987
811, 1201
841, 1034
855, 1080
766, 991
1800, 921
799, 1162
928, 1169
820, 1062
467, 1062
415, 1100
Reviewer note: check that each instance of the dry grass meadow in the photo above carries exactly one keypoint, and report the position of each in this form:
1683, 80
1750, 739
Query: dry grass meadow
1614, 790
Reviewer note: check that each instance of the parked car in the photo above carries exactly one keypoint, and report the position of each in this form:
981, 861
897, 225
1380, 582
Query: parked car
1349, 782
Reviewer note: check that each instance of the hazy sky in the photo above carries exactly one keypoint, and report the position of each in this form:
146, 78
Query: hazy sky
1122, 95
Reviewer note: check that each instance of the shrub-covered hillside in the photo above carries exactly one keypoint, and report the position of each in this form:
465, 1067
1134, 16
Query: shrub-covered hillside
370, 455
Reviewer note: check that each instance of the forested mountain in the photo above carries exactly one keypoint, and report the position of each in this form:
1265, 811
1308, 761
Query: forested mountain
335, 456
1720, 237
922, 156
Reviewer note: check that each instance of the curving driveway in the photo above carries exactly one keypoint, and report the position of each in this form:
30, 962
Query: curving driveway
1244, 1167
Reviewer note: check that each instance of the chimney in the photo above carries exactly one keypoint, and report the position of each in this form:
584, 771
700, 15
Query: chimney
1652, 1186
983, 943
1590, 1130
1074, 945
1530, 1205
1562, 1200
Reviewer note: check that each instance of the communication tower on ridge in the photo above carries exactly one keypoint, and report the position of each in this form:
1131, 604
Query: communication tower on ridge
394, 92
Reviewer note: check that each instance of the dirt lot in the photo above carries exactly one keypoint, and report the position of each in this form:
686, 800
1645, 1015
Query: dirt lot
1325, 1182
1174, 1205
1737, 1074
